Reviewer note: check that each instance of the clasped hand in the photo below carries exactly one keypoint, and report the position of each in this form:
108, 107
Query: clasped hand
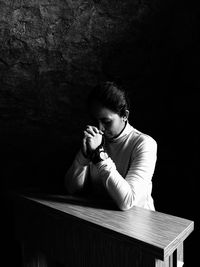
91, 140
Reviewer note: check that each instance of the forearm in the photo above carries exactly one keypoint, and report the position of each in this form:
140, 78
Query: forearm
117, 187
120, 191
76, 176
133, 189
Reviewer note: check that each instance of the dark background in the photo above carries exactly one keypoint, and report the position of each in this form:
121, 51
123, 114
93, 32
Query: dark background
53, 52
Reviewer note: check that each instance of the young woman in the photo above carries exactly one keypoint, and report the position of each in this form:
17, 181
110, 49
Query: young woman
115, 159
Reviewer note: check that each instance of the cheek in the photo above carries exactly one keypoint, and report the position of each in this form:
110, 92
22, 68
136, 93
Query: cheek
113, 128
109, 130
117, 127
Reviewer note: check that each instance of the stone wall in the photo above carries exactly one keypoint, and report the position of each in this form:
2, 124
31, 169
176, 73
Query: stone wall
53, 51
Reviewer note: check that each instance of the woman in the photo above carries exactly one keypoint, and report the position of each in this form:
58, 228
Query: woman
115, 159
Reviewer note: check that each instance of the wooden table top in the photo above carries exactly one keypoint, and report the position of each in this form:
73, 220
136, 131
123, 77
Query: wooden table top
160, 233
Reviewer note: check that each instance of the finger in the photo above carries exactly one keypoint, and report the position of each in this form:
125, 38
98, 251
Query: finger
91, 131
95, 129
87, 135
84, 142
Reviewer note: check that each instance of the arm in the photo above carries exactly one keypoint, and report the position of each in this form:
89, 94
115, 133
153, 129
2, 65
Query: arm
132, 189
77, 174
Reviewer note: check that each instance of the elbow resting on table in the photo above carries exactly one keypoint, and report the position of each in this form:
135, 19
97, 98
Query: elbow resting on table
126, 205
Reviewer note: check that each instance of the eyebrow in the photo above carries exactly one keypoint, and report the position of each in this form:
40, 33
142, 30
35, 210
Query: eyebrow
105, 118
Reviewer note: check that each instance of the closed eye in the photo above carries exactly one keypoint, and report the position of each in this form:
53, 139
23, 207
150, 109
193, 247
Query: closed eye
106, 122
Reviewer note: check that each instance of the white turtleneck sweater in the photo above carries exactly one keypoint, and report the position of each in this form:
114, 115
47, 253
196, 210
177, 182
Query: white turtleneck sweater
126, 175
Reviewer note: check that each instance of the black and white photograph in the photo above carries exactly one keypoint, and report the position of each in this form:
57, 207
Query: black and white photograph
99, 133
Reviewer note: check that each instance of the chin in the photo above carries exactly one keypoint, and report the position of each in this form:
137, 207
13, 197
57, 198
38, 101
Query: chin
109, 136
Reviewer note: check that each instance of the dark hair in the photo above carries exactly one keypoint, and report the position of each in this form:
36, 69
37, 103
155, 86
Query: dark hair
110, 96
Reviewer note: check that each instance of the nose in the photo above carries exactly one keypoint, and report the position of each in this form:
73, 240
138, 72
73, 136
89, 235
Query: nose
101, 127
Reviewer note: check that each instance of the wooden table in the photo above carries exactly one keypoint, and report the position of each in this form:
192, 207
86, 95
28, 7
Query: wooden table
74, 232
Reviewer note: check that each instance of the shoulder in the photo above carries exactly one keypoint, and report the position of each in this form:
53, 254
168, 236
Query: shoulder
142, 141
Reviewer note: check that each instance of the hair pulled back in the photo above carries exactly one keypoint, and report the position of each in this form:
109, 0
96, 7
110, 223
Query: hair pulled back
109, 95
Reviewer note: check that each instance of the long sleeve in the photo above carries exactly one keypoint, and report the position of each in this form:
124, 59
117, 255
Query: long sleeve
135, 187
77, 174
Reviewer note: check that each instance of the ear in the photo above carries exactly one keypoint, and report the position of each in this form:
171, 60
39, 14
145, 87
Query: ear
125, 118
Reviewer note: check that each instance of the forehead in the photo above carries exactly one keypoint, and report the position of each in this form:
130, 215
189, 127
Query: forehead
98, 111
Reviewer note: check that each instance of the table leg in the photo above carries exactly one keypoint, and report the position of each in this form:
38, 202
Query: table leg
32, 257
